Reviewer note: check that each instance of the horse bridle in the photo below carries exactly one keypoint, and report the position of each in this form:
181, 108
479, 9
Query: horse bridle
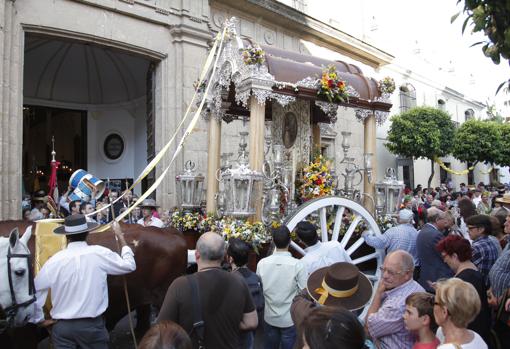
8, 314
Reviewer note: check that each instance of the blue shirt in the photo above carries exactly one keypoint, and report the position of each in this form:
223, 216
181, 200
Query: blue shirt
500, 274
401, 237
485, 254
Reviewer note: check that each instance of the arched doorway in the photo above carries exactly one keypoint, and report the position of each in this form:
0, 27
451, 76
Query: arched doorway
84, 95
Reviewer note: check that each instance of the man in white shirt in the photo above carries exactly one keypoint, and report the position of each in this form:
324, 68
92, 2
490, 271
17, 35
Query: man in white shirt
283, 276
319, 254
79, 292
148, 220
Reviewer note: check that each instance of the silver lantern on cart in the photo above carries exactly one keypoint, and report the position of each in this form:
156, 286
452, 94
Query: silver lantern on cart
388, 193
190, 187
241, 185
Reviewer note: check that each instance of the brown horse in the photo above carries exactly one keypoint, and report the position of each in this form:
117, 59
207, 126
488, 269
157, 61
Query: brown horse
160, 255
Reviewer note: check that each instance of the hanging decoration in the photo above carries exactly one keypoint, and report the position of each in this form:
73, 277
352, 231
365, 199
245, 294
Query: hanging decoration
386, 85
449, 170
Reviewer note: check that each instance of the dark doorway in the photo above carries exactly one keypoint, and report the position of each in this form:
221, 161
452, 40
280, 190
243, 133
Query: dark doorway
471, 175
443, 175
407, 177
69, 128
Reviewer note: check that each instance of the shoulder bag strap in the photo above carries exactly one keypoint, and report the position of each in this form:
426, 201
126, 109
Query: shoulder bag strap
198, 322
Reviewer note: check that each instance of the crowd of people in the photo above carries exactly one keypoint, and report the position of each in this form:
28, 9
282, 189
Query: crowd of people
40, 206
444, 283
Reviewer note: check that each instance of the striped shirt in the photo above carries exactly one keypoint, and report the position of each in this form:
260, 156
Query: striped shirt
386, 326
401, 237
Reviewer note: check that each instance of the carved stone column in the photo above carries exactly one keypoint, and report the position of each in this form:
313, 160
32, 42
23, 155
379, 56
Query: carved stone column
213, 162
11, 116
369, 146
256, 145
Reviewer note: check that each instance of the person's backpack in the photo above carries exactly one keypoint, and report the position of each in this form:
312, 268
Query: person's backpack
255, 286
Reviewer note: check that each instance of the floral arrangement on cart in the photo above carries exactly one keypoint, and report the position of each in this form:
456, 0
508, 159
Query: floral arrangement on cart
315, 180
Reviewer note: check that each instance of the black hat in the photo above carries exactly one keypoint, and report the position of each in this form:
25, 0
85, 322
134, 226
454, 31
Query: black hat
341, 284
75, 224
40, 195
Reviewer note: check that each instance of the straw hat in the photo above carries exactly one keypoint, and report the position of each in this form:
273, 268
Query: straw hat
505, 199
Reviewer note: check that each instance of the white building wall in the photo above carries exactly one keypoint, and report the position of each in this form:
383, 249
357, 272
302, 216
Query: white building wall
99, 125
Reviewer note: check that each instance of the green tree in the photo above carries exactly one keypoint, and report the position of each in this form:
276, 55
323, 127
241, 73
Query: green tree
504, 150
492, 17
494, 114
421, 132
478, 141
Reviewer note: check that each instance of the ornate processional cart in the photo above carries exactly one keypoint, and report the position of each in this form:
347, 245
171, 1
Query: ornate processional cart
278, 93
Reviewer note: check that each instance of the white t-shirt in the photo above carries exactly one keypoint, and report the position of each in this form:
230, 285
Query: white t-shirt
476, 343
154, 222
323, 254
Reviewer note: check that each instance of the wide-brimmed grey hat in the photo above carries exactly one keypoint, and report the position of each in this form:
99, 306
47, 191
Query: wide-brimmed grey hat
75, 224
149, 203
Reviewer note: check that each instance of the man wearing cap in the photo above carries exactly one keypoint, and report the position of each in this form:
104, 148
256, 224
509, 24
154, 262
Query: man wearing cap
148, 220
76, 277
401, 237
384, 321
318, 254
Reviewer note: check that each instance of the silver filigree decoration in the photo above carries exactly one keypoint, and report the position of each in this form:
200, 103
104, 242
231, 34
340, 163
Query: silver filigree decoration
351, 91
327, 130
308, 82
381, 116
362, 114
225, 74
330, 109
242, 97
283, 100
261, 95
231, 24
385, 98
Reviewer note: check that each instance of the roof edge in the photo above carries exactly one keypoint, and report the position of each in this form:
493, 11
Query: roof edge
313, 30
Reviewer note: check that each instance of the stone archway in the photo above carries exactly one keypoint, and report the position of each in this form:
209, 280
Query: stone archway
108, 89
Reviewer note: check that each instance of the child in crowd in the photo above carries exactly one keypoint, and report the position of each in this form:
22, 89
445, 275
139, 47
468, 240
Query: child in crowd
419, 318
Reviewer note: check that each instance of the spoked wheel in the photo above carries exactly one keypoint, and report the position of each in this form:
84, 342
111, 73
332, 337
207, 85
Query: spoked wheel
328, 213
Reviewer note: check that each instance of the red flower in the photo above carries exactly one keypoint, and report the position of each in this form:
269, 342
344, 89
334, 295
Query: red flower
331, 83
340, 84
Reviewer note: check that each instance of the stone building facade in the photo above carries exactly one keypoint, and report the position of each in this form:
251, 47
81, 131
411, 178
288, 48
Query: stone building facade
128, 67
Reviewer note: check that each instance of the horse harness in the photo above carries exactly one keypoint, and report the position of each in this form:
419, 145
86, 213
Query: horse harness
8, 314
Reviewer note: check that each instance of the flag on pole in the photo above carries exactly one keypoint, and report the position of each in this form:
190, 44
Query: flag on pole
53, 191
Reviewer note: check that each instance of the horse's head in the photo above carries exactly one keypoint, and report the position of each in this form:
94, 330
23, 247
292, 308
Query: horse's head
17, 293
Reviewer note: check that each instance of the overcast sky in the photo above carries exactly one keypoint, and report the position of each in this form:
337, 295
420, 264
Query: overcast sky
420, 34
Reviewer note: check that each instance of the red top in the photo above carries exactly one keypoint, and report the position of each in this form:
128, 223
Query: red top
429, 345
